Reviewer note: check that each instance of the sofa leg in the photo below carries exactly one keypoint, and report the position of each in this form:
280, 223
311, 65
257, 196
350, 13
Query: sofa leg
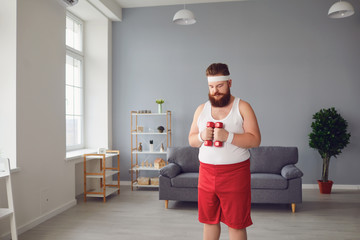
166, 203
293, 205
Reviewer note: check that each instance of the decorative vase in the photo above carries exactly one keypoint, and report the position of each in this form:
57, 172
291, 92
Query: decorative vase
325, 187
151, 146
159, 108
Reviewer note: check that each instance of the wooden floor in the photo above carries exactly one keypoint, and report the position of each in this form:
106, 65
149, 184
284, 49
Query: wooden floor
139, 215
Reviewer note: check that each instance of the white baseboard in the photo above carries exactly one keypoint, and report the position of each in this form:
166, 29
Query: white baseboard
335, 186
41, 219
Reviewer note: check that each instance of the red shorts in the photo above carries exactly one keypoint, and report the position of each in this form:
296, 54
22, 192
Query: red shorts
225, 194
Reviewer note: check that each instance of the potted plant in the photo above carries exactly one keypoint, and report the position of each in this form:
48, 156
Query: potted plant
160, 102
329, 136
161, 129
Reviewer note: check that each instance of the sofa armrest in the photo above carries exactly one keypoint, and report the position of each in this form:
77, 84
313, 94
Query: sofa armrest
291, 172
171, 170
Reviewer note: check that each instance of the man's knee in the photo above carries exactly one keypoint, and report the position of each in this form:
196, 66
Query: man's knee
238, 234
212, 231
211, 226
237, 230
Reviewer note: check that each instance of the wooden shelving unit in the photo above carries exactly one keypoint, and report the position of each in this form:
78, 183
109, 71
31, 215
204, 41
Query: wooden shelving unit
105, 187
136, 168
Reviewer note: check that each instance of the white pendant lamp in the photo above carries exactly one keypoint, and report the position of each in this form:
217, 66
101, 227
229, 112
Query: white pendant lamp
184, 17
341, 9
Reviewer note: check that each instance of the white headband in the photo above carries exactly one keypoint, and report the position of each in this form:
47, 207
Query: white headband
218, 78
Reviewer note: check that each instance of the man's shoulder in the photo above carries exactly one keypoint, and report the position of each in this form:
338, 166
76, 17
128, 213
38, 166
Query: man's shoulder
242, 102
244, 106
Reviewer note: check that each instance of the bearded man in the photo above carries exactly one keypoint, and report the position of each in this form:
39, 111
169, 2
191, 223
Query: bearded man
224, 193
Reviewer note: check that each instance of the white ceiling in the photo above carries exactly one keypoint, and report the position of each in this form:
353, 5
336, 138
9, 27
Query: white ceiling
152, 3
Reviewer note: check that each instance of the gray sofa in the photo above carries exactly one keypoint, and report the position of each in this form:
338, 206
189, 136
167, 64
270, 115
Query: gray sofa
274, 176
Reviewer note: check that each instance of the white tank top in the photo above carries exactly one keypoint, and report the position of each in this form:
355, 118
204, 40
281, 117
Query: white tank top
228, 153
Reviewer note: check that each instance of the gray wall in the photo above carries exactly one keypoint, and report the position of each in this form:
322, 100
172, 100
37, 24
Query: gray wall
287, 59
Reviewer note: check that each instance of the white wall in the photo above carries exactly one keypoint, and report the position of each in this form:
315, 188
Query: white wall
32, 97
8, 80
98, 107
7, 91
98, 82
98, 79
45, 183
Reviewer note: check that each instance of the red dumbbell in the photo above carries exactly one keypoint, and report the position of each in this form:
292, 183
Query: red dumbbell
209, 143
218, 143
210, 124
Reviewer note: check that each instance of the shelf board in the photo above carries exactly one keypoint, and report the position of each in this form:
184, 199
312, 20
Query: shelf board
108, 155
148, 133
108, 191
145, 169
108, 173
4, 212
149, 114
135, 184
147, 152
4, 174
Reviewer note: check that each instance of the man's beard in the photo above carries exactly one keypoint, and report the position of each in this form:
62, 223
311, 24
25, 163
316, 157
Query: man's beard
222, 102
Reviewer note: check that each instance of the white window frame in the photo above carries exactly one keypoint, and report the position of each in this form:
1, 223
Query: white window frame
79, 55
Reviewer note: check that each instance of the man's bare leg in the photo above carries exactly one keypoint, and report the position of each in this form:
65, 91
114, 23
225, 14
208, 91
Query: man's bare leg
212, 231
237, 234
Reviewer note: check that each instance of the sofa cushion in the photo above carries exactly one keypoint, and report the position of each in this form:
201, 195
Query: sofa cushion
291, 172
171, 170
272, 159
186, 157
268, 181
189, 180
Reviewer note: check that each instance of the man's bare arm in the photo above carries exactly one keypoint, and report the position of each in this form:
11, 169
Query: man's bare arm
194, 140
251, 136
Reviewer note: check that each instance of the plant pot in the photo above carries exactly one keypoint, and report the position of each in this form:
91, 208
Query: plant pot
325, 187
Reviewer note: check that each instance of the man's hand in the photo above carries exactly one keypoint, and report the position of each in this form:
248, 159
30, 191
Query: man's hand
207, 134
220, 134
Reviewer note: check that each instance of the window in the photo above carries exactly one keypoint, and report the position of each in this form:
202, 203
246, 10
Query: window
74, 97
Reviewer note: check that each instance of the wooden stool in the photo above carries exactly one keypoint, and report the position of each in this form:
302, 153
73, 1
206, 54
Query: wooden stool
8, 212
